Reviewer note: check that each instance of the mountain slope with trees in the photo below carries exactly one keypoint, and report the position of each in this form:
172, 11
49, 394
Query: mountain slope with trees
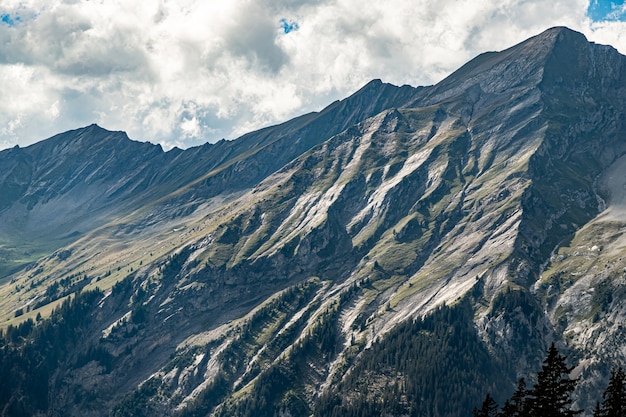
404, 252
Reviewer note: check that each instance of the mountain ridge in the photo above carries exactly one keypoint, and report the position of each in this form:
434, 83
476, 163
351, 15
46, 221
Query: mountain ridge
267, 277
209, 169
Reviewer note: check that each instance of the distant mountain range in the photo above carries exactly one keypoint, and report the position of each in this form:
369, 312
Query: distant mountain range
402, 252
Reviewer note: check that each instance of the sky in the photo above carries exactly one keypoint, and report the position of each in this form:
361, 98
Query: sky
182, 73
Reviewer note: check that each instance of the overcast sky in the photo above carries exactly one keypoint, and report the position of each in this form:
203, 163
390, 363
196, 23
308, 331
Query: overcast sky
185, 72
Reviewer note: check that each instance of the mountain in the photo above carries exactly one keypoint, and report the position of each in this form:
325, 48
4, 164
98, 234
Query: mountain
74, 182
402, 252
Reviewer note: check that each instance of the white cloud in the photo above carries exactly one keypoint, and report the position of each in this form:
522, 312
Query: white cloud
610, 33
188, 71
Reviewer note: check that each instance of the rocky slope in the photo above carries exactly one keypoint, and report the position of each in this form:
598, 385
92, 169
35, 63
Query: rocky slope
268, 275
74, 182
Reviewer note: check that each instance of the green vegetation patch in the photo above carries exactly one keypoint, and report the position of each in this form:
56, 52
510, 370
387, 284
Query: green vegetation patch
416, 369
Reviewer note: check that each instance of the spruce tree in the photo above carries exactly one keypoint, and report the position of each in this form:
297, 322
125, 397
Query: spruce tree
597, 412
517, 405
551, 395
488, 409
614, 398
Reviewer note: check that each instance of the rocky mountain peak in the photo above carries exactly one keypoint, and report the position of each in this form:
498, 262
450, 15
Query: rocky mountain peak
516, 68
577, 67
85, 136
360, 260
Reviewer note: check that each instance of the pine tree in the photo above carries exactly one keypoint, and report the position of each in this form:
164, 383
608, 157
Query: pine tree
488, 409
614, 398
551, 396
597, 412
517, 405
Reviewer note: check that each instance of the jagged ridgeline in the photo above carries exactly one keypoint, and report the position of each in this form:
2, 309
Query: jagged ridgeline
404, 251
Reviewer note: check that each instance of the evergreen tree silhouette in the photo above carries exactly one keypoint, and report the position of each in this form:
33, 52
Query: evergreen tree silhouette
488, 409
614, 398
551, 395
517, 405
597, 412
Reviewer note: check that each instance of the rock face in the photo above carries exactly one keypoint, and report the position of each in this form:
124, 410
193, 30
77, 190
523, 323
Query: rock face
75, 182
269, 275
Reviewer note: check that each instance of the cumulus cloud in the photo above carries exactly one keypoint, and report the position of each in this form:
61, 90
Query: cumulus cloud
185, 72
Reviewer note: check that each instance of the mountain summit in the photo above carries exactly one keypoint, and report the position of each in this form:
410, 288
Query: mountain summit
402, 252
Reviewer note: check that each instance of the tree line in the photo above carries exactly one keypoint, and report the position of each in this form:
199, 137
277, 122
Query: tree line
551, 396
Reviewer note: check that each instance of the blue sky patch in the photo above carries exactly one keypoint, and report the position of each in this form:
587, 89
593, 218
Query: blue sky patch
603, 10
7, 19
289, 25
